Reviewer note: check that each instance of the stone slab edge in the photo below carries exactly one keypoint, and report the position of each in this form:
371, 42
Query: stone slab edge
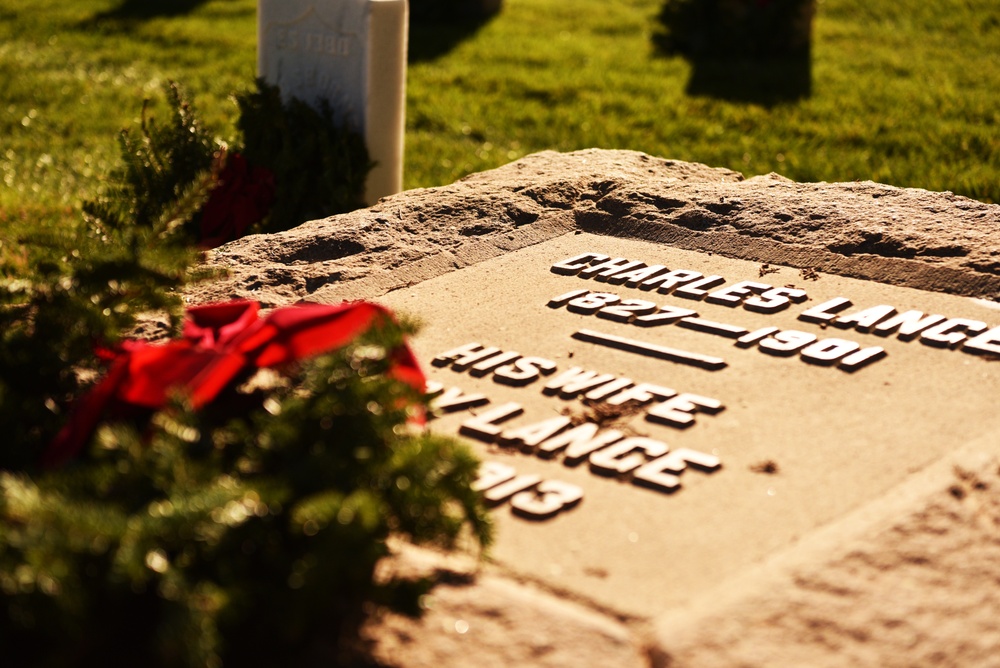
904, 236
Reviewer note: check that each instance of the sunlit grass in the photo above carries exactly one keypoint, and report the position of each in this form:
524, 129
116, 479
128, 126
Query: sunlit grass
902, 92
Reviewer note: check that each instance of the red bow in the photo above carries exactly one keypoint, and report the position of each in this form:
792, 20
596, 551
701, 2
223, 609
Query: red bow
242, 198
219, 342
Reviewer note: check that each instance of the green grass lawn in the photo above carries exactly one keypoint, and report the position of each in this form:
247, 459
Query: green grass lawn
902, 92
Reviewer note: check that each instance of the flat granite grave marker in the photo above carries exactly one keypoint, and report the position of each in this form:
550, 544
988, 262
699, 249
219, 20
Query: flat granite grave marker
672, 417
717, 429
351, 53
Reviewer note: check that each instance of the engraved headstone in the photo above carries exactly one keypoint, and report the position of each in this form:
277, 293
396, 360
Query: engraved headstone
668, 418
351, 53
686, 387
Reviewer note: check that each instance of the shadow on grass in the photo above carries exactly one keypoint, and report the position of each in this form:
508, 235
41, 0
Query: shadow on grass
742, 52
143, 10
438, 26
763, 81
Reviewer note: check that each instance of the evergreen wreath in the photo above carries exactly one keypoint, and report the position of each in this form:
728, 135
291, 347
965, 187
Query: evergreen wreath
291, 163
239, 526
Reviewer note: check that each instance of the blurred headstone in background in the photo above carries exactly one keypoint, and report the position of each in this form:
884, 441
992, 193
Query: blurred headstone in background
351, 53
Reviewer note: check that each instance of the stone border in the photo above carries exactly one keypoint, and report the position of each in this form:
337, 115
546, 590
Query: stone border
904, 236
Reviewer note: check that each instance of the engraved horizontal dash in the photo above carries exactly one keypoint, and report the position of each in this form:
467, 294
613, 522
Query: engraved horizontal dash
650, 349
710, 327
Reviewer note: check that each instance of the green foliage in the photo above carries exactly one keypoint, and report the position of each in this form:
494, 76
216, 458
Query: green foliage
301, 165
319, 165
245, 533
62, 295
756, 28
250, 541
167, 174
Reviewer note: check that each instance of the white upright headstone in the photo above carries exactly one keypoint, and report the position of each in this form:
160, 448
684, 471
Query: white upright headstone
351, 53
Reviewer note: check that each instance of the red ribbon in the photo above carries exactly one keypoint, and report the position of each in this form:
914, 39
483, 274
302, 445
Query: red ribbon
242, 198
220, 341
